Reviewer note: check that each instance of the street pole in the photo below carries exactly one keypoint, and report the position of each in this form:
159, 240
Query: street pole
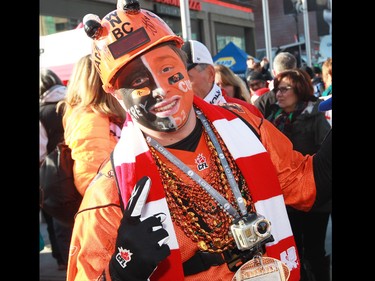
297, 35
185, 19
307, 32
267, 32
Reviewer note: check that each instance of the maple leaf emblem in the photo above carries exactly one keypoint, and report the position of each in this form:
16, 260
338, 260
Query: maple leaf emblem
200, 159
123, 257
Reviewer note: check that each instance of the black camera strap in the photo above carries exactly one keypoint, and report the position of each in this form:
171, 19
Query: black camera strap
235, 258
201, 261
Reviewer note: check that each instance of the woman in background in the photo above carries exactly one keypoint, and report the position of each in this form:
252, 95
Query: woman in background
296, 114
233, 85
92, 122
327, 79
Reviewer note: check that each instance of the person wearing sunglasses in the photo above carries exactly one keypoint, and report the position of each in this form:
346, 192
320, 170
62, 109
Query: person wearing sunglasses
296, 114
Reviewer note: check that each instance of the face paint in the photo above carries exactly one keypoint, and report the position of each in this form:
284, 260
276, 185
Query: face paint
140, 92
156, 90
175, 78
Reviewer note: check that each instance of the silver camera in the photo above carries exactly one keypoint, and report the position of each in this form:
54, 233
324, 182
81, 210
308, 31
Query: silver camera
250, 231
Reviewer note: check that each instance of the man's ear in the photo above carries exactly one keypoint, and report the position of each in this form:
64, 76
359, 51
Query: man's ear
211, 73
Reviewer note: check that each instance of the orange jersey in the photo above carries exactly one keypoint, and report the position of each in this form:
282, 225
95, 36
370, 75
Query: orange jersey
96, 224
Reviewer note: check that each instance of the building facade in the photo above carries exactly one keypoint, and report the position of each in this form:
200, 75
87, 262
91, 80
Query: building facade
213, 22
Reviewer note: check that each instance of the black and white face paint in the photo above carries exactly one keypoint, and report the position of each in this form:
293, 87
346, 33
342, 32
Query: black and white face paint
156, 90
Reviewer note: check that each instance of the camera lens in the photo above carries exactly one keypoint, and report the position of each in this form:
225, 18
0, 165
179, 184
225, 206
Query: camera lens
262, 227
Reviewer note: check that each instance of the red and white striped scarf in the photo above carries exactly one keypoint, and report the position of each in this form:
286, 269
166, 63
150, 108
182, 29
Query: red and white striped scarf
132, 160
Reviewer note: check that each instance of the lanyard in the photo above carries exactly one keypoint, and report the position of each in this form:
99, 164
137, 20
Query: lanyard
205, 185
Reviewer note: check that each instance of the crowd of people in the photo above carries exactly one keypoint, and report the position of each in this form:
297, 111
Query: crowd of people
172, 156
51, 132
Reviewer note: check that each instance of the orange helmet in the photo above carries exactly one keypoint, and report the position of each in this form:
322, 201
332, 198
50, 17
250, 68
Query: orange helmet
122, 35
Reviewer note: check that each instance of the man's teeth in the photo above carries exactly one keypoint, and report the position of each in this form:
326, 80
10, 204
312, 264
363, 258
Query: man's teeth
164, 108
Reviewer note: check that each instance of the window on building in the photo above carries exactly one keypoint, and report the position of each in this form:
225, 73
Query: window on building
226, 33
175, 25
50, 25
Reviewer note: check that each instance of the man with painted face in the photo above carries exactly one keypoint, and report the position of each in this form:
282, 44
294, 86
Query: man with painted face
184, 172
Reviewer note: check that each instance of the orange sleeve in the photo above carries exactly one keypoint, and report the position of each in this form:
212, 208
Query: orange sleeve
88, 136
294, 171
95, 231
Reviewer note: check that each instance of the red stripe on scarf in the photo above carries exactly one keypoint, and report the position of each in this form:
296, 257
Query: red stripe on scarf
129, 173
260, 176
166, 271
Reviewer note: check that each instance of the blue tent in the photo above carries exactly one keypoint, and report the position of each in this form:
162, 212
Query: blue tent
232, 57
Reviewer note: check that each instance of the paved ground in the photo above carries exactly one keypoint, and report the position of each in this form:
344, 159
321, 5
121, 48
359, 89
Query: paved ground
48, 266
329, 241
329, 238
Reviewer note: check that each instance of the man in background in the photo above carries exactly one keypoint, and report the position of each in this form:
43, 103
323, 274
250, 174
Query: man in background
283, 61
201, 72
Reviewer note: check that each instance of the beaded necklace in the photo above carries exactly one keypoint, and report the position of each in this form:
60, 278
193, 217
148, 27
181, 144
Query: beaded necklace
195, 211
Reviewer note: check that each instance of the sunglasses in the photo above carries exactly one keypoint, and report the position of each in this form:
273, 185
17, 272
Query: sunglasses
283, 89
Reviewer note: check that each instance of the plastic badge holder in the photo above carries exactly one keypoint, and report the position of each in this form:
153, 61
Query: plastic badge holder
262, 269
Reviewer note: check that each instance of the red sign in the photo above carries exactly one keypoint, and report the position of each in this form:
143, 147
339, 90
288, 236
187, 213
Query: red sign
193, 5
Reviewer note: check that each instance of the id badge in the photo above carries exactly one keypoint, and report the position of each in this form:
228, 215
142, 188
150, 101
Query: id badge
262, 269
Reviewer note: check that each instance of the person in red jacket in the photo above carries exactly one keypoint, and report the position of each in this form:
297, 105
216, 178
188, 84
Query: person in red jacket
193, 190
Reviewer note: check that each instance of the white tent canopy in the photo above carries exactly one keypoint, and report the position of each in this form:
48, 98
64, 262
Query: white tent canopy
60, 51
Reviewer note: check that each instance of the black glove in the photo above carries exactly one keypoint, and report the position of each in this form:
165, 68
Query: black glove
140, 244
